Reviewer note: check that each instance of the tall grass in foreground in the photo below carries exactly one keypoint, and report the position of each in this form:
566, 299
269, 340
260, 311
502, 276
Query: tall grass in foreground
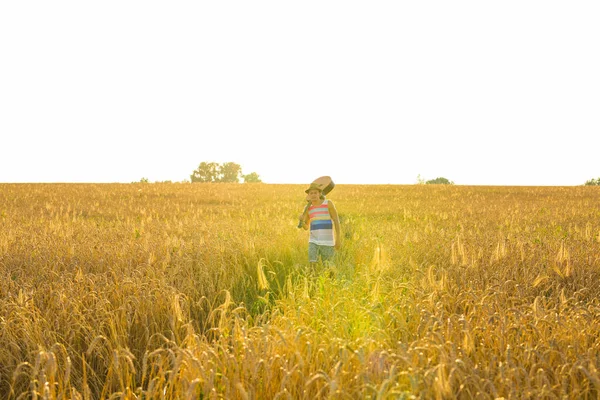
201, 291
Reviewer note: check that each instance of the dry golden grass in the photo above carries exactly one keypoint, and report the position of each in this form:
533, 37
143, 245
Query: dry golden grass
201, 291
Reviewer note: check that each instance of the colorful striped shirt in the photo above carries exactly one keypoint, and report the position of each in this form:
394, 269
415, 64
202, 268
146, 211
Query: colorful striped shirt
321, 225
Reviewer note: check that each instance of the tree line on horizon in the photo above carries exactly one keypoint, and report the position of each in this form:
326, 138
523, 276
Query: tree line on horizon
437, 181
593, 182
231, 172
228, 172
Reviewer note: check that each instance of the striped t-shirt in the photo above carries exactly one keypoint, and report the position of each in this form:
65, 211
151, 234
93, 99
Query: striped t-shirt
321, 225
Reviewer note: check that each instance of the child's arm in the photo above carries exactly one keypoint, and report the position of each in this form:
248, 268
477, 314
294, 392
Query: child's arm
305, 219
336, 223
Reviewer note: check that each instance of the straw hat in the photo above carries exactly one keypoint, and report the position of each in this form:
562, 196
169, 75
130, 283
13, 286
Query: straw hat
314, 186
323, 183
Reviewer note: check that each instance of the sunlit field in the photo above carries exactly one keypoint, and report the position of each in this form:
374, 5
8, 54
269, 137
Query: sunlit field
202, 291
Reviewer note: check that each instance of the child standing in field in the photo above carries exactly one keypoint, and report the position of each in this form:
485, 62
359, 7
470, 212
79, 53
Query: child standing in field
322, 217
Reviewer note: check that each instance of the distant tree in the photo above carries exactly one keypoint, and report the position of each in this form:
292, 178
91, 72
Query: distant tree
144, 180
212, 172
420, 181
229, 172
252, 177
593, 182
206, 172
439, 181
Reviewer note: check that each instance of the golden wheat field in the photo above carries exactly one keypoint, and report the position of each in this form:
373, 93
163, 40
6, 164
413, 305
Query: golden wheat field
202, 291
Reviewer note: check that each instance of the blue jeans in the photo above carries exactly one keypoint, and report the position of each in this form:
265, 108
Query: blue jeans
316, 250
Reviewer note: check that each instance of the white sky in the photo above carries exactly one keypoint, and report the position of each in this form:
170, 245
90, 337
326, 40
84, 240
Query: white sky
480, 92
